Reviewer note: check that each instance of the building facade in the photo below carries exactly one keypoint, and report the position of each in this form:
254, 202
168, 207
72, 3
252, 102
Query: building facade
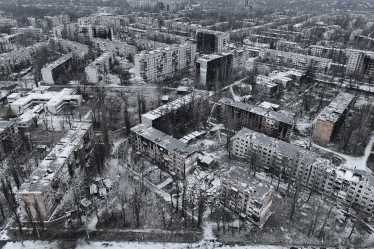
159, 64
169, 153
119, 48
101, 66
9, 137
212, 41
247, 196
272, 123
332, 116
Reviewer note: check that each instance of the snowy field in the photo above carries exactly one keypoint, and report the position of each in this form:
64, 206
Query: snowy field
126, 245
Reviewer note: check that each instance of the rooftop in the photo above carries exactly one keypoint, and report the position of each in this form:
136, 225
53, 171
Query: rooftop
335, 109
55, 160
165, 141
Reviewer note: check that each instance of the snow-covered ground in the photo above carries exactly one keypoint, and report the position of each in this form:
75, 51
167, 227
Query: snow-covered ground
351, 161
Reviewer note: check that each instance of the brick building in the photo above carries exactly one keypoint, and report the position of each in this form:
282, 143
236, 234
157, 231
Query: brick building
332, 116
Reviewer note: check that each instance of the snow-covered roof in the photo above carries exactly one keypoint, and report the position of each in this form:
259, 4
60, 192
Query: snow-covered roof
55, 160
165, 141
5, 125
336, 108
258, 110
242, 180
175, 105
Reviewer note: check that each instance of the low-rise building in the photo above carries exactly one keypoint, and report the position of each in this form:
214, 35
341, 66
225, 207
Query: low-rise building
168, 152
332, 116
247, 196
53, 102
29, 117
49, 182
272, 123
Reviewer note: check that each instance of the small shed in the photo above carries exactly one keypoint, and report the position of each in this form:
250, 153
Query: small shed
182, 90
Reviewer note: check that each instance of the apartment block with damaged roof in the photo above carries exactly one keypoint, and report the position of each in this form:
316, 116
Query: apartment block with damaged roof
332, 116
169, 153
246, 195
272, 123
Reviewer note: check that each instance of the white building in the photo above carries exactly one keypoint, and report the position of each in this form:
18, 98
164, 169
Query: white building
53, 102
159, 64
52, 71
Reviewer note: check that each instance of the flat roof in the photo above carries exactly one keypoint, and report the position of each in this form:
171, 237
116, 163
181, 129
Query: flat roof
5, 125
335, 109
163, 140
258, 110
55, 160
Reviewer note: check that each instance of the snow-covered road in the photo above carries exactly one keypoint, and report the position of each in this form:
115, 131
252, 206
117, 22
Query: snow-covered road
351, 161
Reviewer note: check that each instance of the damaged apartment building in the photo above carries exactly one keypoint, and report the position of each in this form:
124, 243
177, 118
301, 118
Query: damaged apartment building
272, 123
210, 41
49, 182
9, 137
167, 118
100, 67
214, 68
157, 65
332, 116
246, 195
168, 152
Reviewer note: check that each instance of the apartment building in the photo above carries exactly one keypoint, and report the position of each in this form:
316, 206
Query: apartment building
212, 41
288, 46
176, 112
272, 123
101, 66
28, 31
87, 32
360, 62
67, 46
168, 152
278, 157
265, 86
9, 137
57, 20
159, 64
220, 67
53, 71
145, 44
8, 22
332, 116
9, 42
119, 48
53, 102
48, 183
246, 195
19, 59
295, 60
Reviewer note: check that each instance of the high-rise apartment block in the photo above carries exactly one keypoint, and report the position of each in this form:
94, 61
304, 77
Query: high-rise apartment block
212, 41
220, 67
159, 64
9, 137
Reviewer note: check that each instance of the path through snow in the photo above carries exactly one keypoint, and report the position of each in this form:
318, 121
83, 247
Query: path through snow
351, 161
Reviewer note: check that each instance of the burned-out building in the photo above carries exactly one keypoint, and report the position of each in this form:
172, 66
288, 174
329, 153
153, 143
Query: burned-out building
168, 152
220, 67
332, 116
247, 196
272, 123
184, 110
212, 41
